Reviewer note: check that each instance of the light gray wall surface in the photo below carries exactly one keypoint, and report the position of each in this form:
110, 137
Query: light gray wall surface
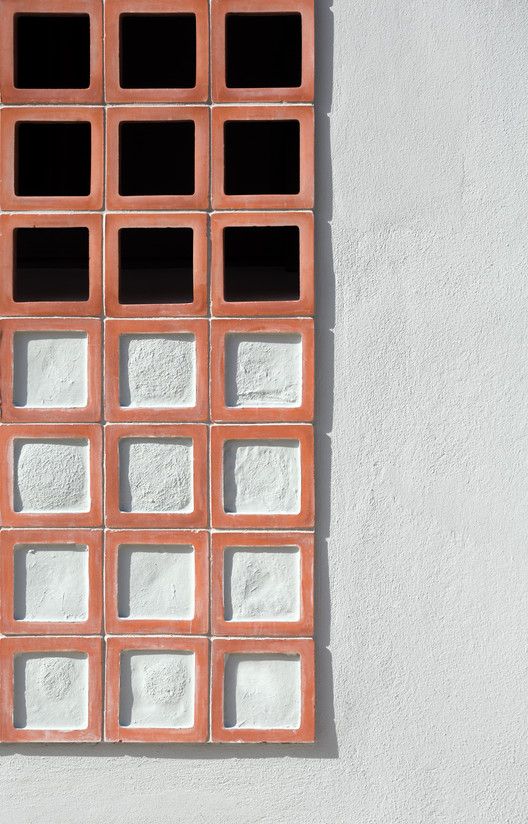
422, 570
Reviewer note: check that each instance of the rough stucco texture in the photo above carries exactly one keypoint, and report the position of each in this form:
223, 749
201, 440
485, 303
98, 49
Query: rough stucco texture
422, 552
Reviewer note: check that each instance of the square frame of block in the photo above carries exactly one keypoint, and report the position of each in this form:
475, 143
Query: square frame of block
197, 574
51, 686
266, 579
58, 359
302, 303
164, 308
76, 470
274, 692
281, 475
128, 372
152, 684
304, 198
269, 367
186, 478
118, 94
89, 298
45, 577
303, 92
11, 118
93, 93
199, 198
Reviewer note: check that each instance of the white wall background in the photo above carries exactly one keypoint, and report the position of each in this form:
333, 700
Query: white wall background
423, 586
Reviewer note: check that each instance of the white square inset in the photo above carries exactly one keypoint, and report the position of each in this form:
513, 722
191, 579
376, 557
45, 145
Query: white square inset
263, 370
262, 584
262, 476
51, 475
156, 581
156, 475
157, 689
50, 369
51, 691
262, 691
157, 371
51, 582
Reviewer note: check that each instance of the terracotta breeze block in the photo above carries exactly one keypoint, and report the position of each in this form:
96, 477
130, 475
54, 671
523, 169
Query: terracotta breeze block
116, 91
52, 582
51, 475
51, 689
156, 689
262, 477
263, 691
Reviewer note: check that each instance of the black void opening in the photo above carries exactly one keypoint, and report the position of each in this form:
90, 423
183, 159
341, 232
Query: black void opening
157, 51
261, 263
156, 158
263, 51
261, 157
51, 264
156, 265
52, 51
52, 159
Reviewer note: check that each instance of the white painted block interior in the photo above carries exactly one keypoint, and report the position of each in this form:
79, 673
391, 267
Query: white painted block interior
50, 369
263, 370
157, 370
157, 689
262, 584
51, 475
156, 475
262, 691
51, 691
156, 581
51, 582
262, 476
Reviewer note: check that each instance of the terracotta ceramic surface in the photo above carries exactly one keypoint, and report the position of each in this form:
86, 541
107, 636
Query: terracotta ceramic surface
198, 732
114, 92
10, 647
221, 93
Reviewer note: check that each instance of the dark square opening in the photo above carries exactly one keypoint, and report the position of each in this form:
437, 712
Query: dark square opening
156, 158
157, 51
52, 51
156, 265
51, 264
263, 51
261, 157
261, 263
52, 159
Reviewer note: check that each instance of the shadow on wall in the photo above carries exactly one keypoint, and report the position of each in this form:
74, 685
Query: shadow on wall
326, 740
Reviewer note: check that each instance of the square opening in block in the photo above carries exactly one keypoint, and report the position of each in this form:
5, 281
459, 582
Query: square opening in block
50, 369
156, 581
262, 691
262, 157
261, 263
156, 158
52, 51
51, 475
52, 159
263, 50
157, 371
262, 476
50, 691
262, 584
157, 51
156, 265
51, 582
156, 475
157, 689
51, 264
263, 370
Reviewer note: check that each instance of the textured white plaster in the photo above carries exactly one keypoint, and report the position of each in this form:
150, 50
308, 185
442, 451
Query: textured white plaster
262, 476
51, 475
156, 581
50, 369
156, 474
51, 691
157, 370
51, 582
157, 689
262, 691
263, 370
262, 584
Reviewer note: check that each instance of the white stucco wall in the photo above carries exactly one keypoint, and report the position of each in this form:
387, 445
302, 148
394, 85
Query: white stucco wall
422, 570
